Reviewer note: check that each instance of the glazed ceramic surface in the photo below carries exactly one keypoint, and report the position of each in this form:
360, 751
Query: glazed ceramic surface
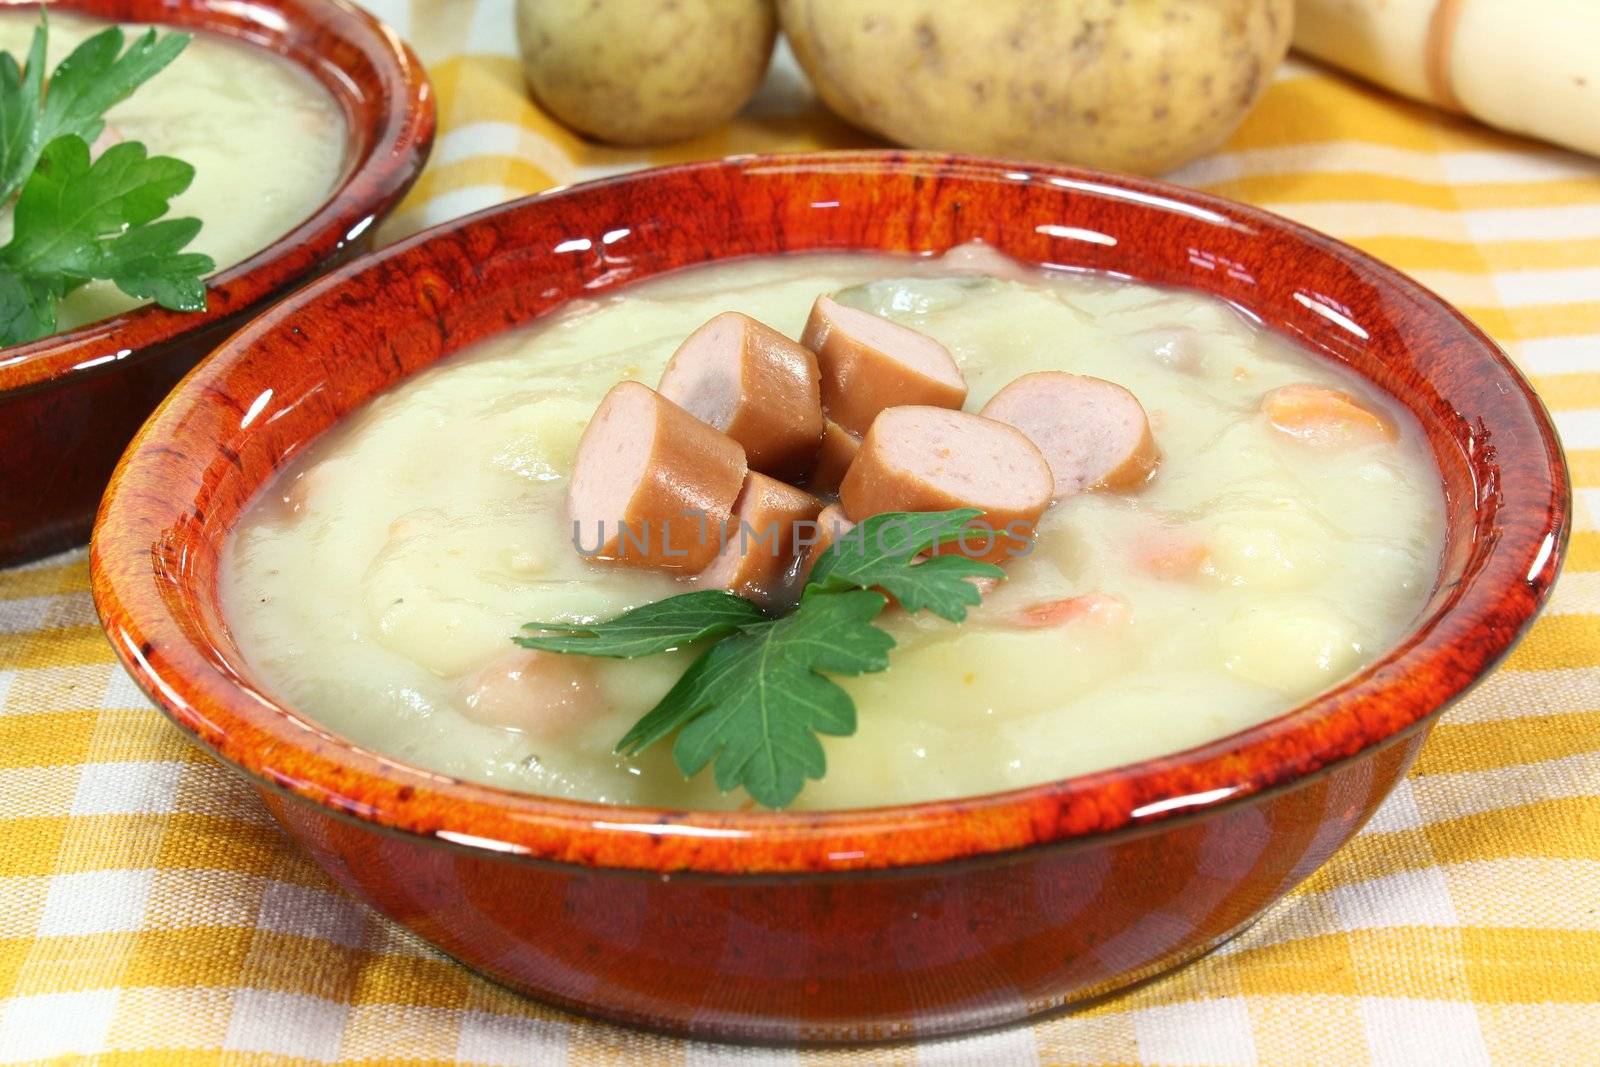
845, 925
69, 403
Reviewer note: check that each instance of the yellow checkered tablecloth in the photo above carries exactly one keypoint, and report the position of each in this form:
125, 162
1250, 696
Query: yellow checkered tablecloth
151, 913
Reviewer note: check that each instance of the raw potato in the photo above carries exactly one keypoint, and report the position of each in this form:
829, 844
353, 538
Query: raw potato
1134, 85
641, 72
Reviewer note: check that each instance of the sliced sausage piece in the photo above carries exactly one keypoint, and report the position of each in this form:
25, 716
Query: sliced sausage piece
933, 459
838, 451
832, 524
652, 485
755, 385
544, 694
869, 364
1325, 418
758, 561
977, 256
1094, 433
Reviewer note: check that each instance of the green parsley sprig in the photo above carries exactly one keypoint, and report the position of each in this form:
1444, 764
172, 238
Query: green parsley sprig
756, 701
76, 220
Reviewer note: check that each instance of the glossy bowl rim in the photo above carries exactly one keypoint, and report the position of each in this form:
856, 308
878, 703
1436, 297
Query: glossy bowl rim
400, 139
488, 820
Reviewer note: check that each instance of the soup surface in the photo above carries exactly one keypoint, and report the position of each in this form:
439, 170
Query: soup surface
266, 141
377, 584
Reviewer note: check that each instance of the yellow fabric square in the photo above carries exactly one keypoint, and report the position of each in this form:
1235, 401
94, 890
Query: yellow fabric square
191, 957
46, 739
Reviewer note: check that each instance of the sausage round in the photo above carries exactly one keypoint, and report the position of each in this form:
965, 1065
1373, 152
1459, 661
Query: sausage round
978, 256
755, 385
652, 486
834, 456
933, 459
544, 694
869, 364
832, 524
1093, 433
758, 560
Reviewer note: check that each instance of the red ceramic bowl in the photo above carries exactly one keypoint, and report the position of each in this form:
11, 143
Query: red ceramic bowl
70, 403
891, 922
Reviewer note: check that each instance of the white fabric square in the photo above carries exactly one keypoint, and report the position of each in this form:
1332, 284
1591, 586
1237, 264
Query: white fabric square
1013, 1046
1212, 1033
1423, 1033
127, 788
478, 139
396, 13
35, 792
315, 913
1587, 501
55, 1024
1407, 898
6, 678
24, 614
288, 1024
463, 201
706, 1054
1398, 812
122, 693
95, 902
508, 1041
487, 32
1559, 355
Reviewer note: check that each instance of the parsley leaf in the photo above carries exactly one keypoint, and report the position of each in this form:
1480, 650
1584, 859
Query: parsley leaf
21, 90
97, 76
659, 627
77, 220
881, 553
755, 702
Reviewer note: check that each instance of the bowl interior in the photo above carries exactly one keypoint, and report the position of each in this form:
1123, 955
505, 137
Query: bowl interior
298, 369
386, 103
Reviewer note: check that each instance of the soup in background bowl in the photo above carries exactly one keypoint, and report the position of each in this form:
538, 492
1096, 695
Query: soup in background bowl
327, 119
266, 141
890, 921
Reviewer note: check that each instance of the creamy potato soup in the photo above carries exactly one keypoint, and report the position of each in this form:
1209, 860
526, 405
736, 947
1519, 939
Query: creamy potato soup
266, 141
377, 585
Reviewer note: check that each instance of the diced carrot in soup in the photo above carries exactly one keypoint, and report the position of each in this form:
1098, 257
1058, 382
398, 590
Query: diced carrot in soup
1099, 608
1325, 418
1171, 554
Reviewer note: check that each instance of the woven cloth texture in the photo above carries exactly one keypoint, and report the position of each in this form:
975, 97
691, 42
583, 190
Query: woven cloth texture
150, 912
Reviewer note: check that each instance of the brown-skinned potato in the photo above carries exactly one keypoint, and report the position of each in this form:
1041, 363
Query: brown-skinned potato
1131, 85
638, 72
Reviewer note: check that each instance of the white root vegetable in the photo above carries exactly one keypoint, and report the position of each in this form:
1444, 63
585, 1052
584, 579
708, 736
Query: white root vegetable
1531, 68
